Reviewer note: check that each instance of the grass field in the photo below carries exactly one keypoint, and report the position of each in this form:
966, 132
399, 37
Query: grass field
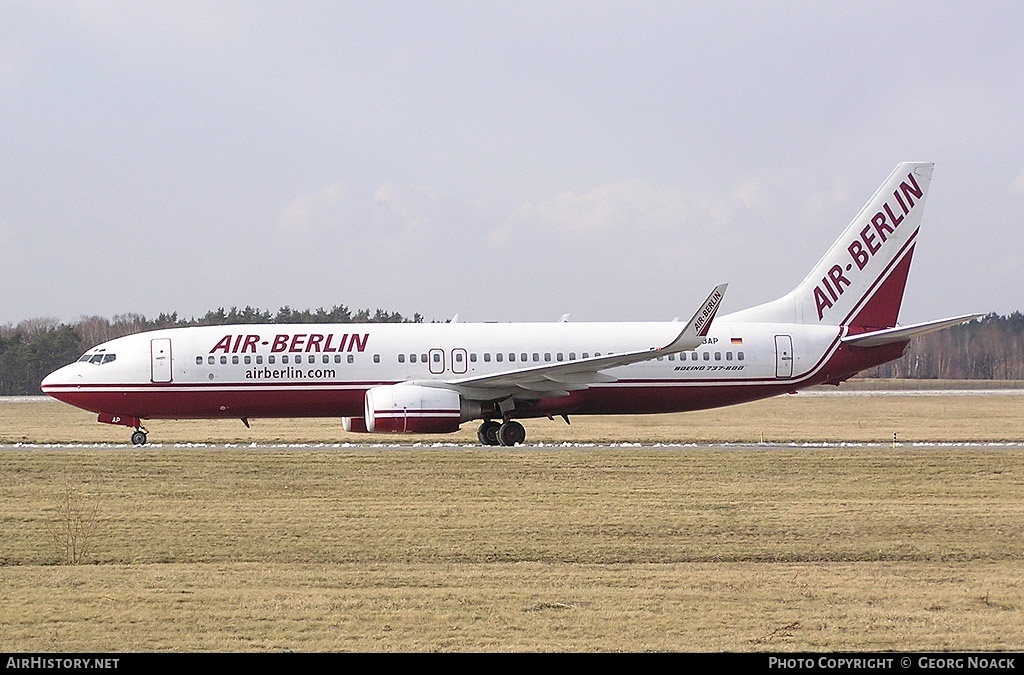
808, 417
824, 538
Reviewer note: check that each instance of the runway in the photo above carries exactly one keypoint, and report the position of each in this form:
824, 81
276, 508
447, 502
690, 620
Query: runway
497, 450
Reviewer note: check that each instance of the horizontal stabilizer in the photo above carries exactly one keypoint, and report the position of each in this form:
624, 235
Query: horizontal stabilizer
903, 333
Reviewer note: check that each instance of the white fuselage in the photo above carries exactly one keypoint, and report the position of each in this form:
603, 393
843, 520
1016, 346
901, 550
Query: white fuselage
325, 369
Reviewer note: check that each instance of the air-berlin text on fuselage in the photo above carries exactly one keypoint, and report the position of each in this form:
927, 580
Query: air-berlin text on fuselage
296, 342
871, 238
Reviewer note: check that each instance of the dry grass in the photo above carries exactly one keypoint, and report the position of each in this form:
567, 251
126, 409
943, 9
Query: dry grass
764, 548
801, 418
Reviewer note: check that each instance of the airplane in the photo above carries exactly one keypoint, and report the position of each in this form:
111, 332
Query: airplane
431, 378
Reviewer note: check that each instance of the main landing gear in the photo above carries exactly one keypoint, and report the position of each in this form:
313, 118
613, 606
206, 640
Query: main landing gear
508, 433
139, 437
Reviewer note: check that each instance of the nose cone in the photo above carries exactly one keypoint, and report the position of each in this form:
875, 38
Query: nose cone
60, 378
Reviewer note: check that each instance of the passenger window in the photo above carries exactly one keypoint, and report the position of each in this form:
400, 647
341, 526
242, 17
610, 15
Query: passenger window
487, 357
284, 359
401, 358
210, 360
739, 356
707, 356
498, 357
376, 358
718, 356
728, 356
223, 360
351, 358
247, 359
234, 360
259, 359
199, 360
271, 359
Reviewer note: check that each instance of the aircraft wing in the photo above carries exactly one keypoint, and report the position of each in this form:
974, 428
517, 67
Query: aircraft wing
903, 333
558, 379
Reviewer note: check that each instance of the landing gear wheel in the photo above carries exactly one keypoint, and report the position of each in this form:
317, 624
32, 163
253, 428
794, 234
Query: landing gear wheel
138, 437
488, 432
511, 433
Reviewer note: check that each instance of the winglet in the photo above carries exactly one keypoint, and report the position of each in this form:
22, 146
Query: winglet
699, 324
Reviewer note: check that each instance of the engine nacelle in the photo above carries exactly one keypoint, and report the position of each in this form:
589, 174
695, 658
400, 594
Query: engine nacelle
412, 409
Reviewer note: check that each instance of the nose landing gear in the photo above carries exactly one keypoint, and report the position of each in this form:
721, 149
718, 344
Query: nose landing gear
138, 436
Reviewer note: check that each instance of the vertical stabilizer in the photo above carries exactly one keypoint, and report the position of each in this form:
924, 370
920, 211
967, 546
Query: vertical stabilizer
860, 280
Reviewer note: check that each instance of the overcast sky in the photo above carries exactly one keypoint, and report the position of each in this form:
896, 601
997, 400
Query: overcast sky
499, 160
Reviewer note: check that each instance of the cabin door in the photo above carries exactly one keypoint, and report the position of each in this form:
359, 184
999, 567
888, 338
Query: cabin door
783, 356
160, 359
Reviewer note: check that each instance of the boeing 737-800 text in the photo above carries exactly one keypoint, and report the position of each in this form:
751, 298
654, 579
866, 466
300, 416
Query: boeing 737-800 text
431, 378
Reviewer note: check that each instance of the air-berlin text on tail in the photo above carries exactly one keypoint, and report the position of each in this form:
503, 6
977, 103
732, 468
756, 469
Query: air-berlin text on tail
870, 240
295, 342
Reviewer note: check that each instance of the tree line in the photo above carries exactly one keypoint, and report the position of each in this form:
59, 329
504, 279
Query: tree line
990, 348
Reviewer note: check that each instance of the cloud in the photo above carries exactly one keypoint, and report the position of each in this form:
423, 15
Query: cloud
631, 206
12, 62
390, 209
146, 29
404, 207
1017, 185
308, 210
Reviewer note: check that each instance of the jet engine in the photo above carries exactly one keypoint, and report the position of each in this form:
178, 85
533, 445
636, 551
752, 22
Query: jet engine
412, 409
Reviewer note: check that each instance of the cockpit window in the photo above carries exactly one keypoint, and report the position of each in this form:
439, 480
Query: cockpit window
99, 358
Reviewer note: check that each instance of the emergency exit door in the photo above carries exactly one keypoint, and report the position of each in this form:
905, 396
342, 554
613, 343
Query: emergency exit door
783, 356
